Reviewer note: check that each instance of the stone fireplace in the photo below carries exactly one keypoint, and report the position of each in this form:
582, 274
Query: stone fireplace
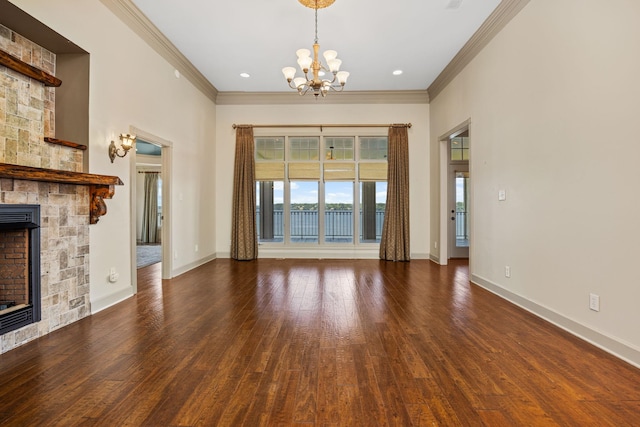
64, 254
19, 266
35, 171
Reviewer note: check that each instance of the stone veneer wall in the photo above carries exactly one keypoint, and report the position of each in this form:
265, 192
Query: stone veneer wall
64, 257
27, 111
27, 115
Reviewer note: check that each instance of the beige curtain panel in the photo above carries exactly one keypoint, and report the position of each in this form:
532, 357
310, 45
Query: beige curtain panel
394, 244
244, 235
150, 232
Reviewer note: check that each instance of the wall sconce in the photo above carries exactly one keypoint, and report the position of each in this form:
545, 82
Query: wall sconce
126, 143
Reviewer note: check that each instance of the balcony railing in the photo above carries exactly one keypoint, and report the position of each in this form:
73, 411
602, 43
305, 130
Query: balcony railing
338, 225
462, 227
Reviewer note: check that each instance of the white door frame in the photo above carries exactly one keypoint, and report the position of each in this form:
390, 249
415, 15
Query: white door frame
454, 250
444, 189
165, 233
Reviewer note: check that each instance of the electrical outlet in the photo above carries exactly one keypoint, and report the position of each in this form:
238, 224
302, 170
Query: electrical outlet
435, 245
507, 271
175, 254
594, 302
113, 276
196, 248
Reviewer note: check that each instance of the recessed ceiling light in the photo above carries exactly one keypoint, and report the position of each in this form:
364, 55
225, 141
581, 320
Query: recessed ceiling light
454, 4
245, 75
397, 72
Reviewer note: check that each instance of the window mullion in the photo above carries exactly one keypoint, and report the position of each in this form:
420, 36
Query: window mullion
321, 200
356, 209
356, 192
286, 197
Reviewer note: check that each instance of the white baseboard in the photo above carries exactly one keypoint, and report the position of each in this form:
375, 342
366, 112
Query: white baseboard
607, 343
320, 253
420, 256
181, 270
311, 253
112, 299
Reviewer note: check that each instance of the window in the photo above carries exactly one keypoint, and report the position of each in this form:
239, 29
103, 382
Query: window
373, 187
460, 147
338, 212
159, 201
339, 148
373, 148
303, 218
373, 200
269, 149
304, 148
310, 188
269, 202
269, 188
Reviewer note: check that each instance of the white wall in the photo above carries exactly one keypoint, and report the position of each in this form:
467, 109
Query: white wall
417, 114
131, 85
551, 101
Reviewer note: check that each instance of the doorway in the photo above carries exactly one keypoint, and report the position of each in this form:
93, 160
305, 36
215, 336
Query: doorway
458, 199
159, 162
149, 215
460, 212
455, 199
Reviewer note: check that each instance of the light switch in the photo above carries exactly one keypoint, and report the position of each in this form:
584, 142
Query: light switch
502, 195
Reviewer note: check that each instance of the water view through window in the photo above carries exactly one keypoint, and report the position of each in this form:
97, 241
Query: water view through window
304, 212
320, 189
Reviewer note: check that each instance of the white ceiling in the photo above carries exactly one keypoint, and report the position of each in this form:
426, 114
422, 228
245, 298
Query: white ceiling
373, 38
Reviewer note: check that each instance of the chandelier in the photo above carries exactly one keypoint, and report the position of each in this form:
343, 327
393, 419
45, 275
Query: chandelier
315, 81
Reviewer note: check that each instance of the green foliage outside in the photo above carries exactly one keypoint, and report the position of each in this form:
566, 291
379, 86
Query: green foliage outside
327, 207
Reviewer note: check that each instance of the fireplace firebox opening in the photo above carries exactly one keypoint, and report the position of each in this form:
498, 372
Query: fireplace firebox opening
19, 266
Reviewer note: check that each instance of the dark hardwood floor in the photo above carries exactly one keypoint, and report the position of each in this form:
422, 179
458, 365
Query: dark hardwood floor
307, 342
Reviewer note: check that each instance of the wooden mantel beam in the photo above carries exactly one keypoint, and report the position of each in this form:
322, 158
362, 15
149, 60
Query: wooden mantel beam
22, 67
100, 186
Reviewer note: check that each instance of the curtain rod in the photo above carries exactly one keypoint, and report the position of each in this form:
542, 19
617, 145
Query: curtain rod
148, 172
327, 126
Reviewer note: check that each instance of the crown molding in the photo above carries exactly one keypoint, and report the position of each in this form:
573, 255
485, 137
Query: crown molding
501, 16
292, 98
141, 25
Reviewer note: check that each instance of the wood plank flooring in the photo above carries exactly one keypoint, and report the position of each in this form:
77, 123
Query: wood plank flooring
308, 342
